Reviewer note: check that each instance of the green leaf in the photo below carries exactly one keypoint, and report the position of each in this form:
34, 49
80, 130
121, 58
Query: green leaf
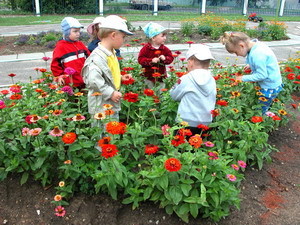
147, 193
176, 194
185, 189
194, 210
163, 181
24, 178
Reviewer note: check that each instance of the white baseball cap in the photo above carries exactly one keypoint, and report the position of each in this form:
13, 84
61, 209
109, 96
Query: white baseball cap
200, 51
90, 27
115, 22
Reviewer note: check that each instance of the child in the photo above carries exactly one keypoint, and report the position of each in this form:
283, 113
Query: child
262, 61
101, 71
196, 91
154, 56
69, 52
93, 30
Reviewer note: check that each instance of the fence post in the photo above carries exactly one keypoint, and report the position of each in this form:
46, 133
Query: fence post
203, 7
282, 4
37, 8
101, 7
245, 7
155, 7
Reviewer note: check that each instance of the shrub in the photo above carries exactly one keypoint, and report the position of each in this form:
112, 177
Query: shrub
187, 28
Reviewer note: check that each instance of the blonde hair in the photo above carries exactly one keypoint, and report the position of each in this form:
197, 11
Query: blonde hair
104, 32
231, 39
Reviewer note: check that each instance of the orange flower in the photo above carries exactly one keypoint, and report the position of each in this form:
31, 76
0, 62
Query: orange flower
256, 119
68, 161
109, 150
57, 198
104, 141
61, 184
115, 127
172, 165
177, 140
282, 112
109, 112
69, 138
96, 94
195, 141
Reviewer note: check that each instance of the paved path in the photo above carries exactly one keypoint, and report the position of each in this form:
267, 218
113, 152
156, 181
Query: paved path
23, 64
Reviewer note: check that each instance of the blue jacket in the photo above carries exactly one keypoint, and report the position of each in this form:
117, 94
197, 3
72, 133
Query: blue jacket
264, 66
196, 92
94, 44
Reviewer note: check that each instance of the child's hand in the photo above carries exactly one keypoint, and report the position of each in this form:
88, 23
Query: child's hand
155, 60
60, 80
126, 77
116, 96
162, 57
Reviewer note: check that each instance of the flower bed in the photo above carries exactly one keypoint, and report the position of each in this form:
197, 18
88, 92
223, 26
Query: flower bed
46, 134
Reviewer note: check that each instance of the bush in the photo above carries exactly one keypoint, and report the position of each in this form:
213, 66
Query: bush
187, 28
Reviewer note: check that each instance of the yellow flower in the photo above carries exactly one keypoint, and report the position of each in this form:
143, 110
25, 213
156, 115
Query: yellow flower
235, 110
282, 112
259, 93
61, 183
183, 123
78, 94
263, 99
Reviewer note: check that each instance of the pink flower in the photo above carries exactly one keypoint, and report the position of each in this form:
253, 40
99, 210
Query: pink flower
242, 164
15, 89
213, 155
270, 114
60, 211
231, 177
25, 131
68, 90
45, 58
234, 166
56, 132
2, 104
35, 131
165, 129
69, 71
78, 117
209, 144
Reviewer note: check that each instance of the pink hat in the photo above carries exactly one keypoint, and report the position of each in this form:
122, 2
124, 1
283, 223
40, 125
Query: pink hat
90, 27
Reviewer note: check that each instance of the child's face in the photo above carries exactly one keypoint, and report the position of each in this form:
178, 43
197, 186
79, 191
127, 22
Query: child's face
159, 39
190, 64
119, 38
241, 49
74, 34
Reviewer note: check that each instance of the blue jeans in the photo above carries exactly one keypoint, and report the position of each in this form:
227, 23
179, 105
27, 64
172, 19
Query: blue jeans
270, 95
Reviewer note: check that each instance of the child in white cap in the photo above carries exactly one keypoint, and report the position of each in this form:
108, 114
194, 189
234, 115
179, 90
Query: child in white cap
196, 91
69, 52
154, 56
93, 30
101, 71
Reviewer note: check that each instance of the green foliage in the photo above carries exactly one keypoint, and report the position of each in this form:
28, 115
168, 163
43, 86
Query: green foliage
205, 185
187, 28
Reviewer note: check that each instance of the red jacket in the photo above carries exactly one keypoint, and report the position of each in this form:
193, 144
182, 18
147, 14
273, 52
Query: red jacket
69, 54
147, 53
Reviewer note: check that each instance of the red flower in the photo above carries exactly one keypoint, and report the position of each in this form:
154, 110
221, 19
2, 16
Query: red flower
190, 42
42, 70
104, 141
222, 103
12, 74
114, 127
247, 70
156, 74
109, 150
178, 140
195, 141
151, 149
149, 92
129, 81
157, 52
185, 132
276, 118
215, 112
4, 92
131, 97
178, 52
256, 119
128, 68
15, 97
203, 127
172, 165
69, 138
288, 69
294, 106
290, 76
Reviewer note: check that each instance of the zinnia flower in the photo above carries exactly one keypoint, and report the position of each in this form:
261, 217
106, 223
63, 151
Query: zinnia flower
231, 177
107, 106
2, 104
209, 144
25, 131
172, 165
69, 138
114, 127
222, 102
61, 184
203, 127
56, 132
185, 132
256, 119
68, 161
100, 116
165, 129
15, 97
195, 141
68, 90
149, 92
235, 167
131, 97
282, 112
57, 112
57, 198
70, 71
213, 155
276, 117
35, 131
177, 140
60, 211
109, 112
78, 117
104, 141
242, 164
109, 150
270, 114
151, 149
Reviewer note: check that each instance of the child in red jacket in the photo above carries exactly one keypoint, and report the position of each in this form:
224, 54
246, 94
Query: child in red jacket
154, 56
69, 54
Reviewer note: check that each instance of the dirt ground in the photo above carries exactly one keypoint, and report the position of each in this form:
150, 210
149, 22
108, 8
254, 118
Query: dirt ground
270, 196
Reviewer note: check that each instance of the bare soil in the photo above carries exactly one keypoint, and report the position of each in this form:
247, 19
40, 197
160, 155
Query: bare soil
270, 196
